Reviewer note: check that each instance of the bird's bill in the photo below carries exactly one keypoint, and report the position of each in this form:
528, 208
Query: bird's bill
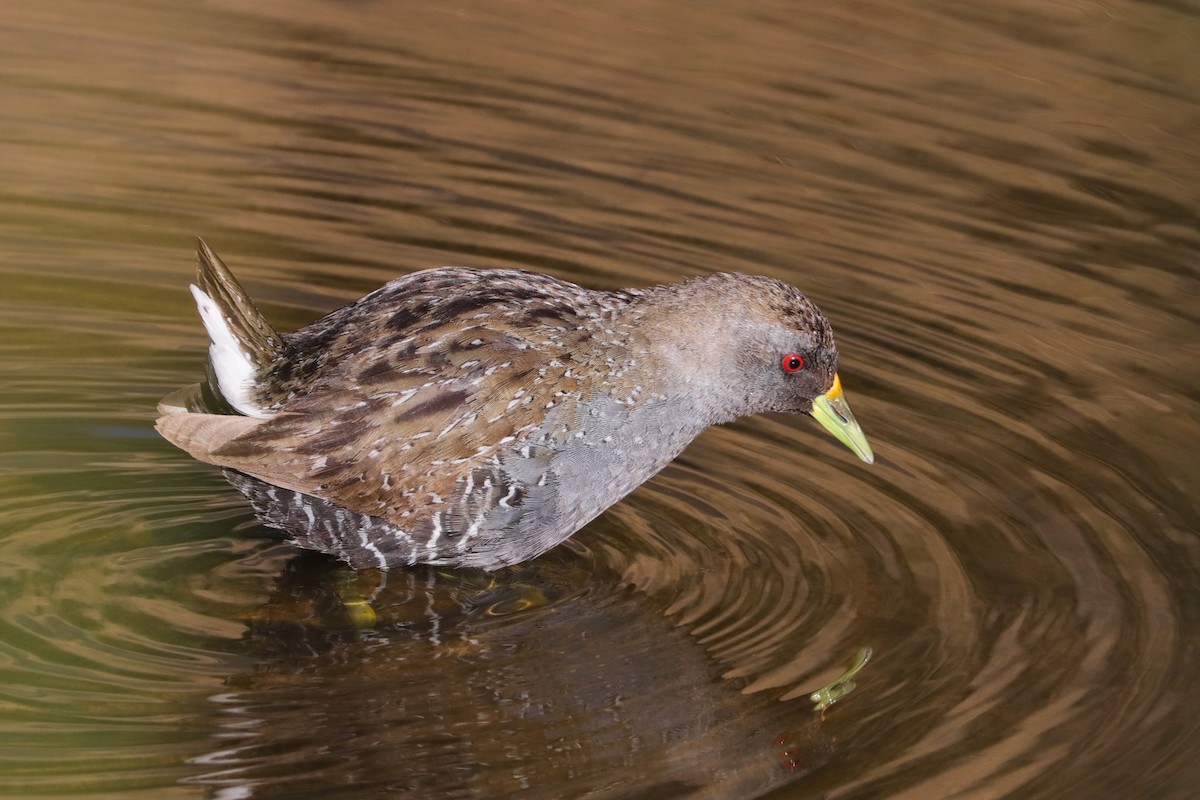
833, 412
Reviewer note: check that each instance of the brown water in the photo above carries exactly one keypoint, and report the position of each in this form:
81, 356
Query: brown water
995, 203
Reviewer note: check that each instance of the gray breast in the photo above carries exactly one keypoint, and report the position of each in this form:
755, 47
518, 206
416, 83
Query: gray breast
584, 459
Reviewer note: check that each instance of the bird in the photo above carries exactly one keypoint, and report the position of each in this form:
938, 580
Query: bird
477, 418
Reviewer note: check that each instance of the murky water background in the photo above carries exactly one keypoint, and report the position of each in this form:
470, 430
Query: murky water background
995, 203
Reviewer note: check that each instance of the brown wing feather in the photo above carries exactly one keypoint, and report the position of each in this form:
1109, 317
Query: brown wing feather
394, 447
201, 434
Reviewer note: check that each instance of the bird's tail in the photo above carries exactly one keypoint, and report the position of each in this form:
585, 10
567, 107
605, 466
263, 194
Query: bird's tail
243, 344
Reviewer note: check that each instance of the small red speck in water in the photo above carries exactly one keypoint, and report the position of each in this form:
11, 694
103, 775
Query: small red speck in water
791, 760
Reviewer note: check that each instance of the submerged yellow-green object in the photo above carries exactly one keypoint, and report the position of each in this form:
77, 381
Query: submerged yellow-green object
843, 685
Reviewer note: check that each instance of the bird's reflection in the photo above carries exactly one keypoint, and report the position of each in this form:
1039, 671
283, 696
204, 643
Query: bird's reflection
551, 679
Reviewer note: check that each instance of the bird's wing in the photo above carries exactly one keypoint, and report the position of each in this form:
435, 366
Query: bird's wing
403, 442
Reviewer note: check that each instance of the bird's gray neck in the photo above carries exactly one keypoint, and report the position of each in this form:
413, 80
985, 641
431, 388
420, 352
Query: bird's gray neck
697, 340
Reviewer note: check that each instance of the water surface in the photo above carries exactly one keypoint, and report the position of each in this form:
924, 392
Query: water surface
996, 206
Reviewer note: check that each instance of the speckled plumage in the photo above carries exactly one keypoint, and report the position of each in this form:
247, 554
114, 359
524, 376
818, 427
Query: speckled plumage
478, 418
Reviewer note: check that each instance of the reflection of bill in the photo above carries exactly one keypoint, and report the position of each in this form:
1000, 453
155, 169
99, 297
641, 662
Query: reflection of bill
843, 685
546, 680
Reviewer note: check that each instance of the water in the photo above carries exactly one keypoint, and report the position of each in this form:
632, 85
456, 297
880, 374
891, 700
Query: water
995, 204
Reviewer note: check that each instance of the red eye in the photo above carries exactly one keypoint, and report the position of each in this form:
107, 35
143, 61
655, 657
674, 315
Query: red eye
792, 362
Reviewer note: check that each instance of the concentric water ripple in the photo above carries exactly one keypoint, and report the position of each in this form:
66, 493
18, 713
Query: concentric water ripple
996, 206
